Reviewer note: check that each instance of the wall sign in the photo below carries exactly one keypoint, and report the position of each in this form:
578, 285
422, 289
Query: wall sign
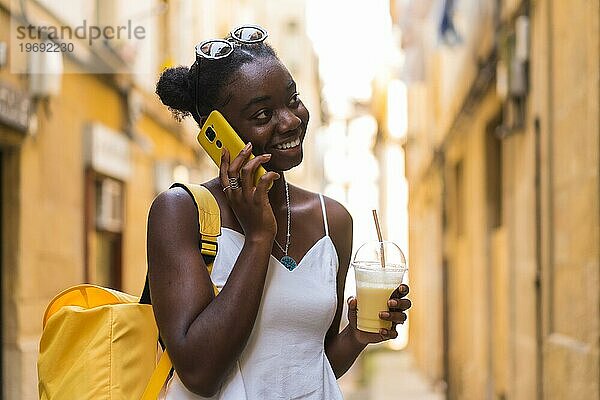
108, 151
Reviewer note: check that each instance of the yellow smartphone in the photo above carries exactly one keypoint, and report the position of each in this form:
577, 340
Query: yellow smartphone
216, 133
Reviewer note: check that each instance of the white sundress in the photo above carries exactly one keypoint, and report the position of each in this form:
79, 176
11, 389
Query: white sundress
285, 356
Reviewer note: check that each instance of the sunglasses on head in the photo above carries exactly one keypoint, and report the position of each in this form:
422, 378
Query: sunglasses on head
215, 49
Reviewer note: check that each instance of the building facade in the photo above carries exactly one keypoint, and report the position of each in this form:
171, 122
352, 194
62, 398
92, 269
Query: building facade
502, 163
84, 152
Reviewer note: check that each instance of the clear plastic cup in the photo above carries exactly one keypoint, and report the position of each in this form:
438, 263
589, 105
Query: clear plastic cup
375, 283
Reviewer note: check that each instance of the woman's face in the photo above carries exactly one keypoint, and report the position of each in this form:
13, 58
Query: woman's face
264, 108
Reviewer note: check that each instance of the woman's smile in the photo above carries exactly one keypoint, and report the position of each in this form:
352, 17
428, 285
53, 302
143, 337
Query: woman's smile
287, 151
288, 145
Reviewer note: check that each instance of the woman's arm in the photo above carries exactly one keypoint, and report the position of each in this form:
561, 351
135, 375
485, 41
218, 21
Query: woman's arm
205, 334
343, 348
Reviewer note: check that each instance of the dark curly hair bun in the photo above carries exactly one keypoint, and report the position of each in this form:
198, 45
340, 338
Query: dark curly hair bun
175, 91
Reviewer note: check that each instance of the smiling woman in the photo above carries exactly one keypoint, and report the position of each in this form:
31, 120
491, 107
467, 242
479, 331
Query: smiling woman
283, 254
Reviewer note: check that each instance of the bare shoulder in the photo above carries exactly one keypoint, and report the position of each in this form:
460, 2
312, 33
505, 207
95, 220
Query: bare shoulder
338, 217
174, 202
177, 200
340, 228
337, 214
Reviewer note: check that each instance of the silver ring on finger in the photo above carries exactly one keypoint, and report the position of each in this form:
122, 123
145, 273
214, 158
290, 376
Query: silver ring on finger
234, 183
226, 187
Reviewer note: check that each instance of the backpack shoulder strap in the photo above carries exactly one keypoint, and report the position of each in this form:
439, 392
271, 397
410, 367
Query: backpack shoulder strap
209, 217
209, 223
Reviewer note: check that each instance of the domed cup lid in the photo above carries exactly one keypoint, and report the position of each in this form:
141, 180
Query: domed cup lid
376, 255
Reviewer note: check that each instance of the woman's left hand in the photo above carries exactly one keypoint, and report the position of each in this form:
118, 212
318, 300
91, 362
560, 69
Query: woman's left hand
397, 305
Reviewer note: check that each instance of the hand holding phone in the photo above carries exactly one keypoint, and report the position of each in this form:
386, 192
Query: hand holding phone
216, 134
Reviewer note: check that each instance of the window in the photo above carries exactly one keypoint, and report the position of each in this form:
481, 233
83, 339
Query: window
104, 230
109, 212
459, 198
493, 166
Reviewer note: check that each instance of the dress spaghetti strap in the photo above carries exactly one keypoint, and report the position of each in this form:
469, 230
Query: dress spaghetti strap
324, 214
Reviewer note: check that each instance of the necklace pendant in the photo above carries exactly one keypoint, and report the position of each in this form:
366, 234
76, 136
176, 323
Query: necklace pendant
289, 262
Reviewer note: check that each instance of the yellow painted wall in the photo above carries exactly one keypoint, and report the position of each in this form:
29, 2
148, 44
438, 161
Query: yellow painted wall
511, 335
49, 251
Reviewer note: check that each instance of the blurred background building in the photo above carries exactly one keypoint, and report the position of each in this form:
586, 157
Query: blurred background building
484, 113
502, 163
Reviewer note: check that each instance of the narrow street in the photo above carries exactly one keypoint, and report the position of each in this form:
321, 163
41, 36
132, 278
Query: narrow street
387, 375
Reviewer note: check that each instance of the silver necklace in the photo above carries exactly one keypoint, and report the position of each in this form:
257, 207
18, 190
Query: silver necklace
286, 260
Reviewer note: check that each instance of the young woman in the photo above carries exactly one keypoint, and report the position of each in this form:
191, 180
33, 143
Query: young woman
273, 330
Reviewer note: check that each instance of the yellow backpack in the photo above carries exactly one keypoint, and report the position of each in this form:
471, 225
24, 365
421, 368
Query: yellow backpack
99, 343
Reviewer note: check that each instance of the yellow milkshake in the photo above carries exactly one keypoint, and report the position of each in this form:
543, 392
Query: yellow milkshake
371, 300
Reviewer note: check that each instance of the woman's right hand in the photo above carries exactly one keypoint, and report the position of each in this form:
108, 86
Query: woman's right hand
250, 203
